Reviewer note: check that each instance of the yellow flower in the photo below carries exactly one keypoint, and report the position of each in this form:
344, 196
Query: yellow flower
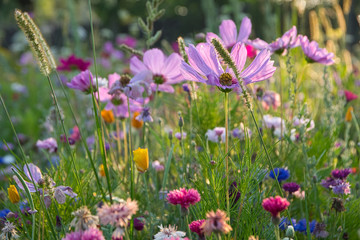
108, 116
13, 194
135, 123
102, 170
348, 115
141, 159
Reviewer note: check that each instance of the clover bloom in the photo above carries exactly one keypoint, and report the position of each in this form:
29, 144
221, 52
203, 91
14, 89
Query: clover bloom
163, 71
291, 187
108, 116
228, 32
183, 197
281, 174
205, 66
49, 144
195, 227
13, 194
216, 222
141, 159
314, 53
72, 62
275, 206
83, 82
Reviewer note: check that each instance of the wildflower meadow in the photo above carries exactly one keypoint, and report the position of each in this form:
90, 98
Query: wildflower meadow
173, 120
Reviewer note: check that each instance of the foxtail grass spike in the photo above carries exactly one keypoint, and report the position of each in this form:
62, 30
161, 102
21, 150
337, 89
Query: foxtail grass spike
34, 42
183, 53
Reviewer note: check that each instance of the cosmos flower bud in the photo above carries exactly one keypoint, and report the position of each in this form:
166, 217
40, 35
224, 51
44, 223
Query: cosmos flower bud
141, 159
108, 116
13, 194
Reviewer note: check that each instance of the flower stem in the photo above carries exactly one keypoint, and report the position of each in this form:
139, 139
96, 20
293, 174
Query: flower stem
277, 233
226, 106
130, 155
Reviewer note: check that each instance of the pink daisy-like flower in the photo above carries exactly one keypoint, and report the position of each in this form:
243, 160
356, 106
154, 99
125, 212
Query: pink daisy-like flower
288, 40
275, 205
314, 53
205, 66
83, 82
195, 227
183, 197
49, 144
72, 62
228, 32
163, 71
216, 222
73, 236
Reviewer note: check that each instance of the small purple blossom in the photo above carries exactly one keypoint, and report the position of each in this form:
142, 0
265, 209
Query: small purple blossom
216, 135
288, 40
179, 136
145, 115
341, 187
49, 144
291, 187
83, 82
341, 173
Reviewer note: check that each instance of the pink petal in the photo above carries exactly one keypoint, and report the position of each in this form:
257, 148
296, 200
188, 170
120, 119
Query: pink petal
245, 30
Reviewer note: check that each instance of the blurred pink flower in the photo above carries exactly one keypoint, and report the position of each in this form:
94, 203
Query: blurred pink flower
195, 227
73, 63
127, 40
350, 96
49, 144
275, 205
83, 82
314, 53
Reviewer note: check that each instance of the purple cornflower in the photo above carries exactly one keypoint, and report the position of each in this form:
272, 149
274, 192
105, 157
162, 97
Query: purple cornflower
72, 62
291, 187
228, 32
44, 185
145, 115
241, 132
216, 135
314, 53
163, 71
179, 136
183, 197
341, 173
82, 82
49, 144
341, 187
205, 66
329, 181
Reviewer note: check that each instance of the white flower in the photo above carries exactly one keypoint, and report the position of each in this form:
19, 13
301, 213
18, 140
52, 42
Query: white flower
8, 230
169, 232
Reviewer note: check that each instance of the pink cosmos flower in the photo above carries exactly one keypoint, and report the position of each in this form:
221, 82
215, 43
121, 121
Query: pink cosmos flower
275, 205
156, 70
82, 82
205, 67
195, 227
183, 197
116, 100
228, 33
314, 53
288, 40
350, 96
72, 62
49, 144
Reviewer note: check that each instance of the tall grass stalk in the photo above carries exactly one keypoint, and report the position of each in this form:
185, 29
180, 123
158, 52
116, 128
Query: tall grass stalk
226, 106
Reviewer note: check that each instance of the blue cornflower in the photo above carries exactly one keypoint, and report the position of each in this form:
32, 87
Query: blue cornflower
281, 173
300, 226
4, 212
284, 223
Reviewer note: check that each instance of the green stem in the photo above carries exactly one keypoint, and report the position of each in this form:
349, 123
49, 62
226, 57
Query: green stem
226, 106
277, 233
130, 155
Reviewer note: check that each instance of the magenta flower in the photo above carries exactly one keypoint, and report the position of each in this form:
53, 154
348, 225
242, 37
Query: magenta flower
275, 205
164, 71
73, 236
127, 40
228, 33
183, 197
350, 96
90, 234
49, 144
73, 63
195, 227
341, 173
314, 53
82, 82
291, 187
251, 51
205, 67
